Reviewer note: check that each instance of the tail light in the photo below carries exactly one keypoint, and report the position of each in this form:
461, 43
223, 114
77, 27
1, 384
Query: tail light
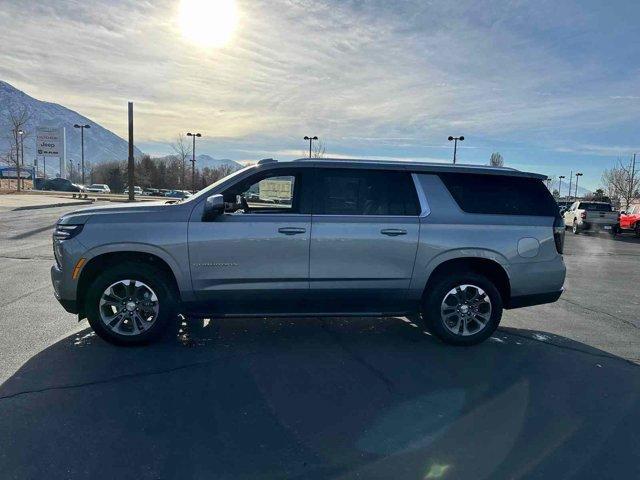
583, 215
558, 234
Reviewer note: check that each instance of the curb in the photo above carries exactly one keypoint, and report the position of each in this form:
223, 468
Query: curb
52, 205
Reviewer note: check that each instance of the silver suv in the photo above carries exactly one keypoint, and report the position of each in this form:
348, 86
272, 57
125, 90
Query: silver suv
452, 245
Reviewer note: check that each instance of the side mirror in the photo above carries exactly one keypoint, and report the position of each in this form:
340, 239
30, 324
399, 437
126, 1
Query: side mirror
213, 207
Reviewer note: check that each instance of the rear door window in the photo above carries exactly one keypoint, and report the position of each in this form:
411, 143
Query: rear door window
364, 192
500, 194
595, 207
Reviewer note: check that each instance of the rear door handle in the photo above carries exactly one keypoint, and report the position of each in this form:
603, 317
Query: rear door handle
291, 230
393, 232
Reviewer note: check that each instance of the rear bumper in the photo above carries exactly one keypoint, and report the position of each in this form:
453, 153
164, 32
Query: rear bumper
597, 226
534, 299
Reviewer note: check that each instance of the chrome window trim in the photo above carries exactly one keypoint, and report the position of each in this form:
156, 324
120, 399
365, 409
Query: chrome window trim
422, 198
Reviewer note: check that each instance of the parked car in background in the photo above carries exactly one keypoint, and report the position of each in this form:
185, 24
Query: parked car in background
448, 245
98, 188
630, 219
62, 185
587, 215
178, 194
136, 190
151, 192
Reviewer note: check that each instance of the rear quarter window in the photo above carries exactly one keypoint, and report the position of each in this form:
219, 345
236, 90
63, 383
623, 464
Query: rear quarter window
500, 194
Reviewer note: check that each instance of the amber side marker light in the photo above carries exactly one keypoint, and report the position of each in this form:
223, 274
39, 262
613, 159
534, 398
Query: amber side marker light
76, 270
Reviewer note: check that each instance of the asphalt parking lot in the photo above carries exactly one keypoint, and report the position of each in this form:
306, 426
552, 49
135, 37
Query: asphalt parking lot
555, 393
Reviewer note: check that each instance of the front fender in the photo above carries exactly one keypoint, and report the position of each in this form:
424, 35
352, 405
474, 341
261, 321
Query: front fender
182, 276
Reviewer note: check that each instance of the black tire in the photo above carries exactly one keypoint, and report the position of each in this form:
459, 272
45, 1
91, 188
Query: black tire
152, 276
575, 228
637, 230
440, 287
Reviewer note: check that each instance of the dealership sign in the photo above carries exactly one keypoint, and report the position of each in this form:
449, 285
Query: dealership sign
50, 142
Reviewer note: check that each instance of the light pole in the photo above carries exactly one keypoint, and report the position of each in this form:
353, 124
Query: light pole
455, 145
311, 139
82, 127
21, 133
570, 180
578, 175
560, 185
193, 162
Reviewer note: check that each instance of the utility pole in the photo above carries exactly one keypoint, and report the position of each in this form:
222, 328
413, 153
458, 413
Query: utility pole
131, 176
455, 145
560, 185
570, 180
311, 139
193, 162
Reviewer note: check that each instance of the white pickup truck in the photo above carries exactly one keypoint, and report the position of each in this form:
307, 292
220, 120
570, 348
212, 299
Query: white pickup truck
589, 215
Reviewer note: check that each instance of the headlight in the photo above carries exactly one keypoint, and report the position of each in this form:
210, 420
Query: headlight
65, 232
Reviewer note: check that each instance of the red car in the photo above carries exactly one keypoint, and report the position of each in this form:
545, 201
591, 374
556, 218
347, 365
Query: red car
630, 220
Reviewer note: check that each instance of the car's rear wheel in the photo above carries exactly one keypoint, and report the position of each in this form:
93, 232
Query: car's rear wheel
637, 229
462, 308
574, 228
130, 303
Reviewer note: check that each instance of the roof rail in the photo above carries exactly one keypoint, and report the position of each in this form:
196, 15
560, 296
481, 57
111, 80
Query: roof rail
266, 160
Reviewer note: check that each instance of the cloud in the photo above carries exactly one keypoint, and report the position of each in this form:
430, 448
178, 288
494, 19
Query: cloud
397, 77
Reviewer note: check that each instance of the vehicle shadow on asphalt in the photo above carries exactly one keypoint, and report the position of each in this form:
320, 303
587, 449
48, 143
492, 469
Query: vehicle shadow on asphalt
321, 398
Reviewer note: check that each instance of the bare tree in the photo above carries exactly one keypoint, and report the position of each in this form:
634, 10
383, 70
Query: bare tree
318, 149
182, 149
621, 182
18, 120
496, 160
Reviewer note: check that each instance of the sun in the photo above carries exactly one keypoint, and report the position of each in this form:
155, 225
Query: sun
208, 23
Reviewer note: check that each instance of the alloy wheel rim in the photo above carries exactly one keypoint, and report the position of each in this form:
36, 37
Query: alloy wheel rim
128, 307
466, 310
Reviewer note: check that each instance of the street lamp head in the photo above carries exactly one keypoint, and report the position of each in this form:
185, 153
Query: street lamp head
306, 138
561, 176
578, 174
314, 138
198, 135
189, 134
450, 138
20, 132
87, 126
461, 138
75, 125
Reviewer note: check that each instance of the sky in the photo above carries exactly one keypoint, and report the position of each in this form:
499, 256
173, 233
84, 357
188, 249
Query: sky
554, 86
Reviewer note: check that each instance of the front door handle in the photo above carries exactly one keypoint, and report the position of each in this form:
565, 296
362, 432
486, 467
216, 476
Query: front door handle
291, 230
393, 232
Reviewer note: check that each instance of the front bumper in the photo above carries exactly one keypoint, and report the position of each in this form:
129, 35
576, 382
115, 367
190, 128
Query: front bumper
70, 306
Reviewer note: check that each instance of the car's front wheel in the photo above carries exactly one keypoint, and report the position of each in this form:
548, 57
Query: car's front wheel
130, 303
462, 308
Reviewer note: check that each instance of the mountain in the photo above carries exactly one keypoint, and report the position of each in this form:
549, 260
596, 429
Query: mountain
204, 160
100, 144
564, 188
